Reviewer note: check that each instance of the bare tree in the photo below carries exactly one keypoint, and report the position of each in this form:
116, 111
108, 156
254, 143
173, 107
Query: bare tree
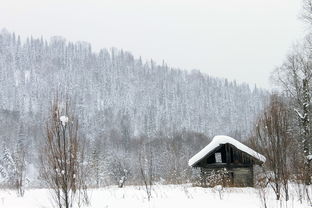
273, 138
261, 184
62, 156
20, 166
147, 168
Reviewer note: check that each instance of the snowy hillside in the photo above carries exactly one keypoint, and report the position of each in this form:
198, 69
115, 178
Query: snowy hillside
113, 90
122, 104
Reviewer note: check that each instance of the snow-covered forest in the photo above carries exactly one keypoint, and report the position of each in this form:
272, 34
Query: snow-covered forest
120, 101
113, 90
81, 127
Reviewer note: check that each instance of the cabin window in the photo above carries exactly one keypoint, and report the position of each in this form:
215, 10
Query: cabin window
218, 157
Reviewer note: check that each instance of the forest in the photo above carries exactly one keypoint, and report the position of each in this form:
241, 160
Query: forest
73, 119
121, 103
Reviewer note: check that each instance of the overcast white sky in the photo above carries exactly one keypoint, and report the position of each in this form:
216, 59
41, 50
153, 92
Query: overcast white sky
237, 39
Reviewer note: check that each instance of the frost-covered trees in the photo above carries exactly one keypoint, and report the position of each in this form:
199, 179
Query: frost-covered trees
8, 168
134, 97
119, 100
95, 165
13, 166
13, 169
295, 77
306, 14
119, 170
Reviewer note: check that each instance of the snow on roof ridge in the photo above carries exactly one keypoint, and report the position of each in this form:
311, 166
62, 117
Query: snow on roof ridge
222, 139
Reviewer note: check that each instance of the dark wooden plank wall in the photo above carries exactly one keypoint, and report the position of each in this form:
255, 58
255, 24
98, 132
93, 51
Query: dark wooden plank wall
238, 163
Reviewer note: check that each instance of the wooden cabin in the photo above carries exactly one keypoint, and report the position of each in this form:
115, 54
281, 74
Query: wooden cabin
226, 153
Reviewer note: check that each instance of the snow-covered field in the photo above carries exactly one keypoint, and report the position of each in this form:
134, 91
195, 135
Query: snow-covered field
162, 196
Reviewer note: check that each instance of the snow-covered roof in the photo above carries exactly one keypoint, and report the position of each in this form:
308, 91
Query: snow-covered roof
219, 140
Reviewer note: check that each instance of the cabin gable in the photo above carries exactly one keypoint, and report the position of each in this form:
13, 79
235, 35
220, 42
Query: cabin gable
229, 156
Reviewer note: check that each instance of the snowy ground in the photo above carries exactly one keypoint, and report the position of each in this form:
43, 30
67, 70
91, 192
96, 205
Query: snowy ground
163, 196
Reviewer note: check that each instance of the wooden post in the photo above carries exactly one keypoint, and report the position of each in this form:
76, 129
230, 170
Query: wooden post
252, 176
227, 154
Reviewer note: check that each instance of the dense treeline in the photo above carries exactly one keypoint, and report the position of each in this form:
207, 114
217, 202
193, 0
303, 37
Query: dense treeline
113, 90
120, 102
